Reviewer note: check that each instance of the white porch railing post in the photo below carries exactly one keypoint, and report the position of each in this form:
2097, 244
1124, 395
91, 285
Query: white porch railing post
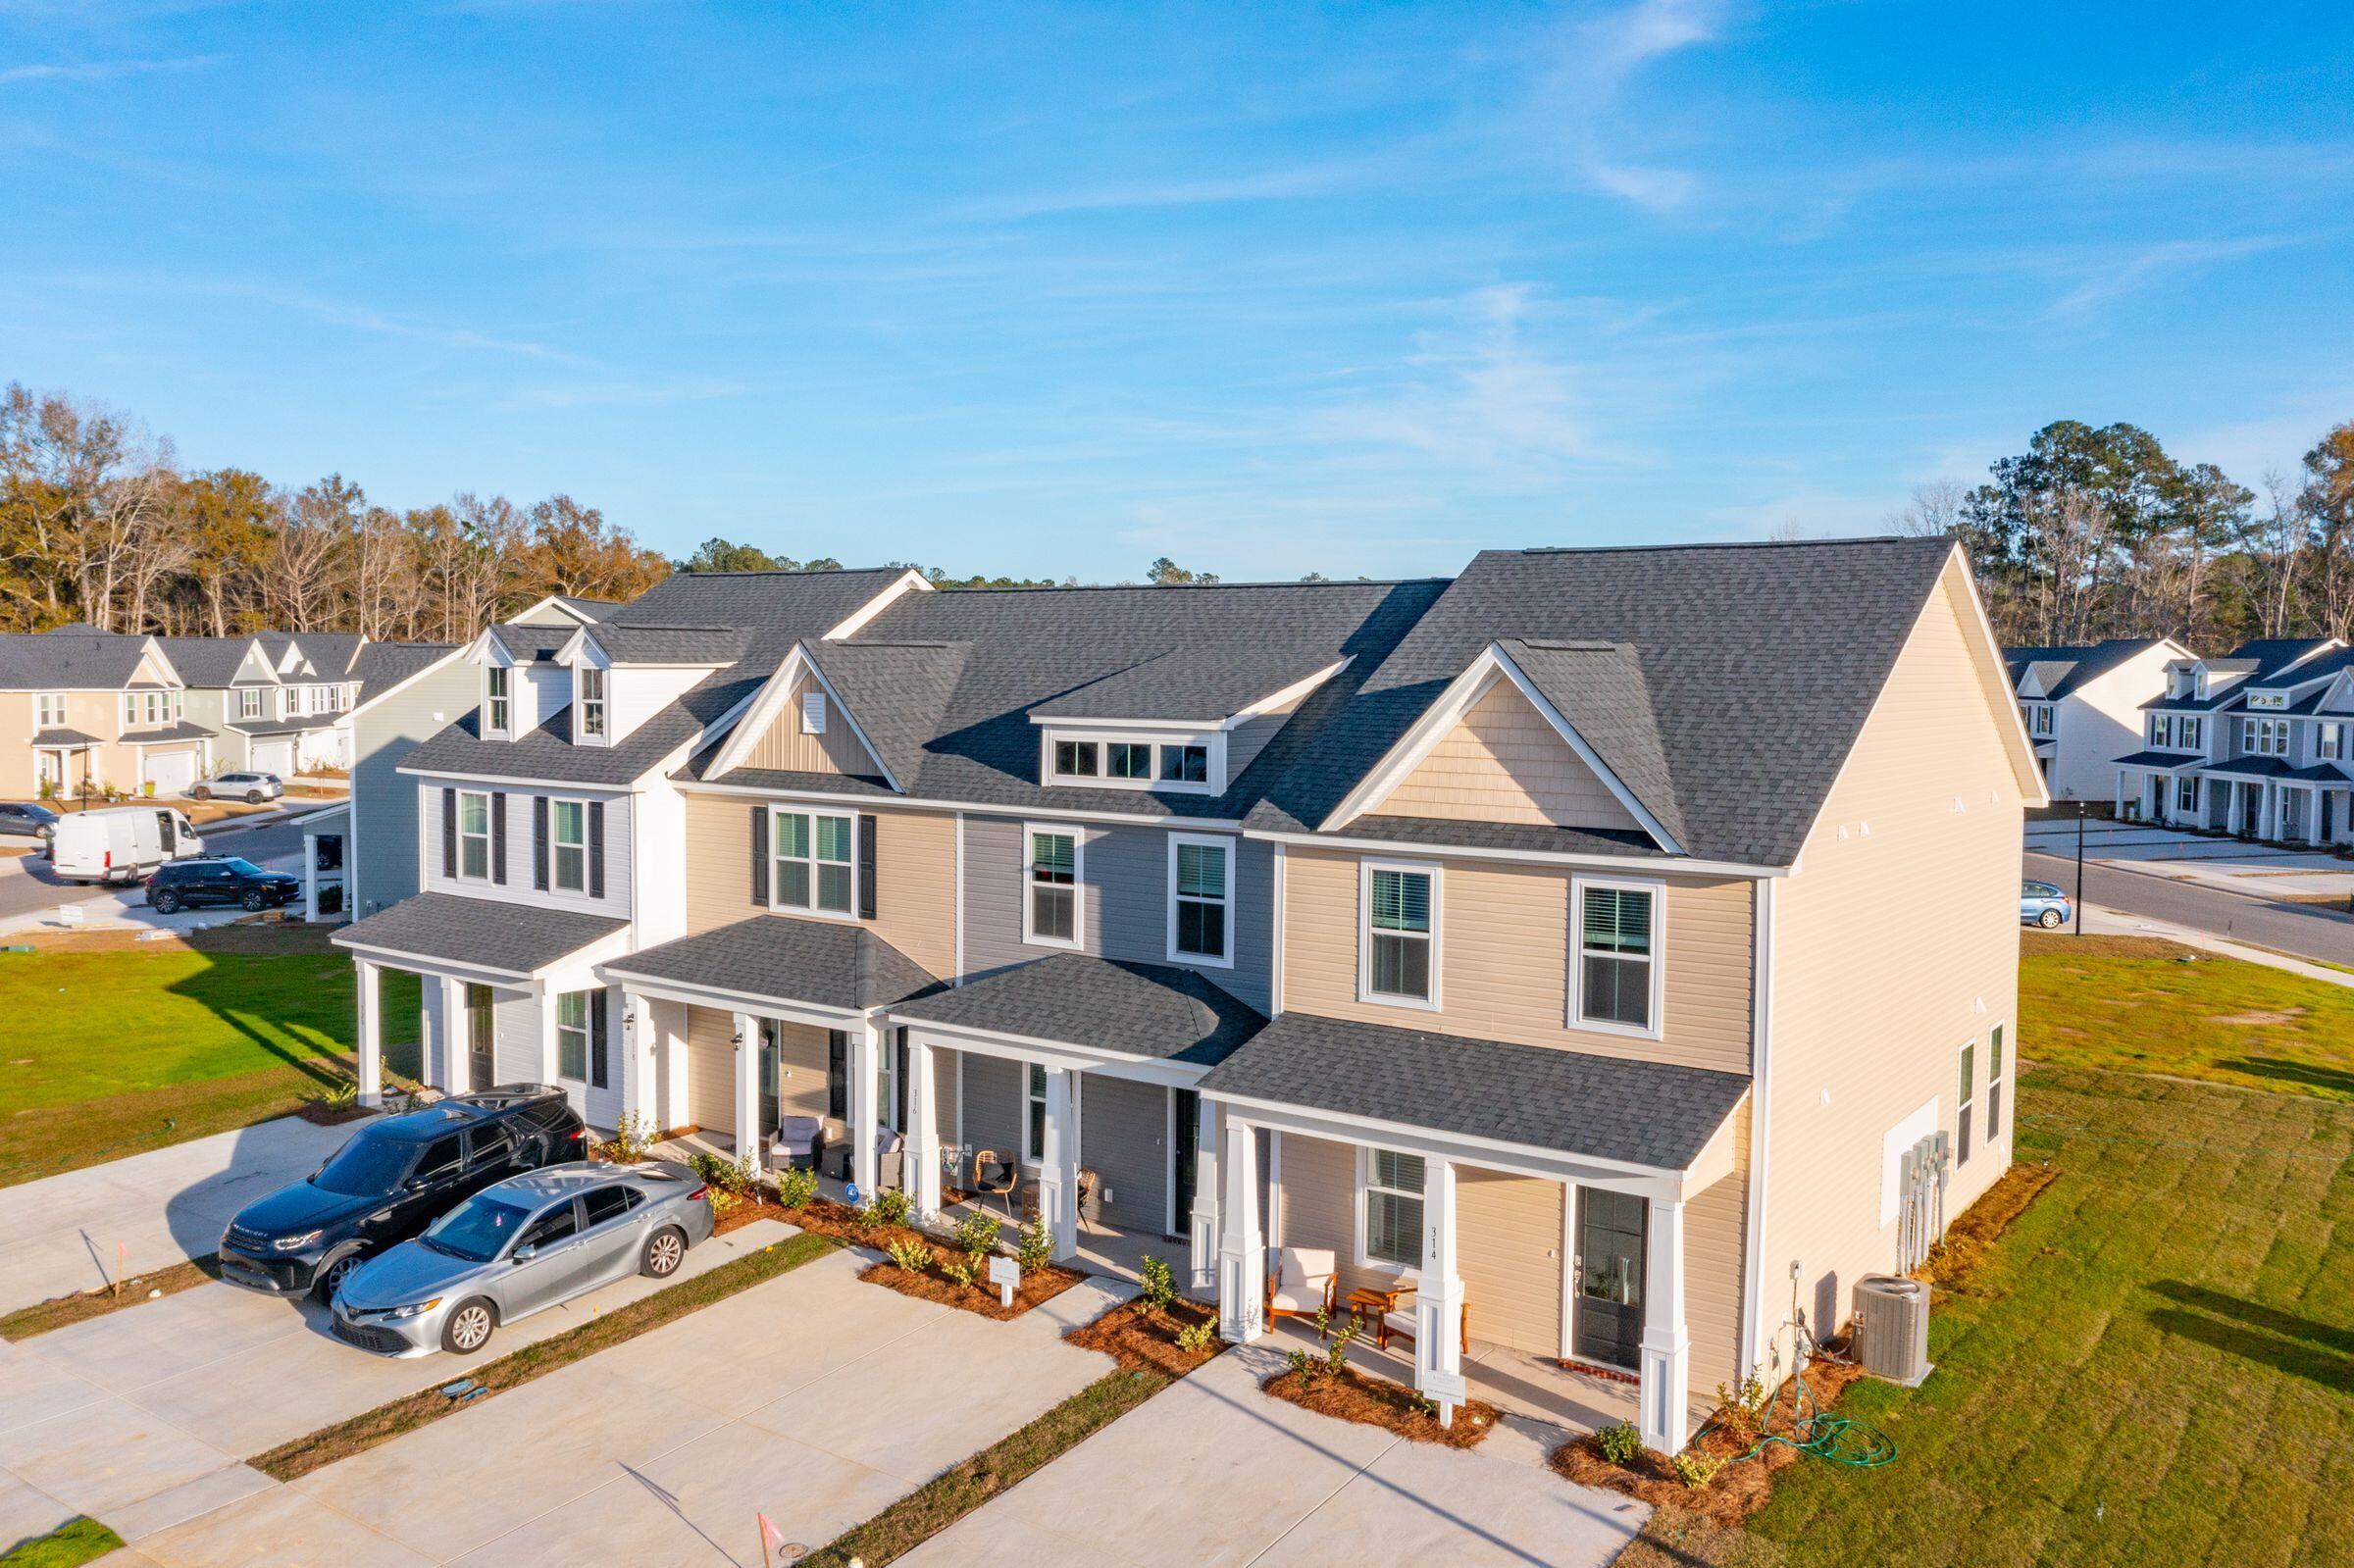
1242, 1247
371, 1033
1438, 1299
310, 878
1666, 1346
1058, 1164
457, 1040
922, 1161
1203, 1221
747, 1088
867, 1120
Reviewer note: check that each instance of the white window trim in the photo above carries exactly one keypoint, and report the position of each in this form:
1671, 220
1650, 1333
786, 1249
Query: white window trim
1213, 740
554, 882
1994, 1078
1077, 940
776, 884
492, 727
1365, 1189
604, 705
1365, 934
489, 835
1224, 960
1577, 954
588, 1033
42, 708
1963, 1148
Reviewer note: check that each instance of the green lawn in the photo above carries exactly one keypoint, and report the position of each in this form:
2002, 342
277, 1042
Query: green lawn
111, 1052
2140, 1004
69, 1545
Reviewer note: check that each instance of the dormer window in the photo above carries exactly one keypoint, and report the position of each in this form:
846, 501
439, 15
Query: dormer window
1185, 764
1126, 759
1075, 759
592, 703
1188, 761
496, 701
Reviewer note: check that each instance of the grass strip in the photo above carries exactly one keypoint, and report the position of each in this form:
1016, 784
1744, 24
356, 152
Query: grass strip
65, 1310
955, 1493
385, 1422
69, 1545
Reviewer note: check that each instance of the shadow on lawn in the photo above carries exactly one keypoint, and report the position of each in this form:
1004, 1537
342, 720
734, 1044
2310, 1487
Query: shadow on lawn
2305, 1074
2319, 1353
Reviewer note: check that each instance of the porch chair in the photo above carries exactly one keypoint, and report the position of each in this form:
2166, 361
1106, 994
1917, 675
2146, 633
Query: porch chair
1304, 1282
995, 1176
798, 1142
1397, 1323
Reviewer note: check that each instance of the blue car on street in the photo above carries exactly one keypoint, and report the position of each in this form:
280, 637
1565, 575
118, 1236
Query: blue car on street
2042, 904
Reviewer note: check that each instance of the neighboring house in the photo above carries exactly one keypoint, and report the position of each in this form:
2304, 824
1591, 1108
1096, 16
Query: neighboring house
1493, 933
2259, 742
101, 709
2082, 706
407, 692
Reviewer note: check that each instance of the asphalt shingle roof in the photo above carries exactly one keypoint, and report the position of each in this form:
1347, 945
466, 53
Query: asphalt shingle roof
547, 753
635, 644
1154, 1010
790, 604
1200, 683
379, 667
62, 738
821, 963
1605, 1107
81, 660
1598, 687
2067, 668
513, 938
289, 725
206, 663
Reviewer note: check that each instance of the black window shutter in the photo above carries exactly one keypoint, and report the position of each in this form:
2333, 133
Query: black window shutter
866, 868
760, 857
596, 1038
596, 849
498, 838
539, 843
449, 833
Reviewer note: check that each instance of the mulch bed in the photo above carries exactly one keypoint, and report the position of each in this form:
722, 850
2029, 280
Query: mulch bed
744, 1211
854, 1226
1953, 1261
321, 1114
1351, 1396
1143, 1339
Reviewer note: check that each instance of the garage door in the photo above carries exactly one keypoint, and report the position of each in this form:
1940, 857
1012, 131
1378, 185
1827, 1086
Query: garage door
171, 771
274, 756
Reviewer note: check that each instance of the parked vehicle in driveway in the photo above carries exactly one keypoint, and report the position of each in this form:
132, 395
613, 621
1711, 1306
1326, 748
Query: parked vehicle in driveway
528, 1243
121, 843
2042, 904
394, 1178
251, 787
218, 879
25, 819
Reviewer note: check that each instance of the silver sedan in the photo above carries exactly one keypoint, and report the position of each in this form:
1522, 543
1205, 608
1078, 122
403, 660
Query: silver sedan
520, 1245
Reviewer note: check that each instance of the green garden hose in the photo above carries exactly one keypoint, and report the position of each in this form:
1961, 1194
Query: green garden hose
1857, 1444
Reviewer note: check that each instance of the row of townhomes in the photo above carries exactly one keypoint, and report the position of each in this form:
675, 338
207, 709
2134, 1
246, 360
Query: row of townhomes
2259, 742
1614, 947
2082, 706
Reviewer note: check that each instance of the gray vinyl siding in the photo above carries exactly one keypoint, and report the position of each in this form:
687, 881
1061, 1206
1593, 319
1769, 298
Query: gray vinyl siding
1123, 1138
1124, 873
619, 820
993, 1104
380, 869
203, 705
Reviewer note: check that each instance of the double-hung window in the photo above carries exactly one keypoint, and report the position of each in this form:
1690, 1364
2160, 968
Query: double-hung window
1617, 958
1391, 1230
474, 834
249, 703
572, 1035
130, 709
1051, 902
1401, 935
592, 703
2189, 731
498, 681
1969, 1062
1994, 1084
51, 714
2187, 792
1200, 898
813, 868
2041, 713
568, 845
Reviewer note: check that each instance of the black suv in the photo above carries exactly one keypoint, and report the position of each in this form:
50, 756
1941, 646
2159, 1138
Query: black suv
393, 1180
218, 879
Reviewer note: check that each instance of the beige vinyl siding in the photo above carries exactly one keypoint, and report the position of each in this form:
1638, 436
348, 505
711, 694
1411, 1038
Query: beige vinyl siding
1505, 761
801, 1056
711, 1069
784, 747
1716, 1249
1248, 738
1503, 959
1509, 1250
1893, 947
915, 875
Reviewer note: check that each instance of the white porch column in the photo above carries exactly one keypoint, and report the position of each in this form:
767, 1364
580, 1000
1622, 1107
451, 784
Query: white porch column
2313, 816
747, 1088
922, 1162
2121, 794
1241, 1248
457, 1043
866, 1109
1438, 1299
1203, 1221
310, 878
371, 1033
1058, 1164
1666, 1346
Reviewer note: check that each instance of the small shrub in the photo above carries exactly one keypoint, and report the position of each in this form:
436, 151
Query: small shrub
722, 1176
342, 1097
1619, 1443
1324, 1322
977, 1233
1197, 1337
1697, 1470
1336, 1354
1033, 1245
892, 1206
1303, 1366
959, 1270
629, 1143
1422, 1404
1160, 1287
1741, 1410
910, 1255
797, 1188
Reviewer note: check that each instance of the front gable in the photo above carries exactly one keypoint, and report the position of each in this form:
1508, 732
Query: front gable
1503, 761
798, 724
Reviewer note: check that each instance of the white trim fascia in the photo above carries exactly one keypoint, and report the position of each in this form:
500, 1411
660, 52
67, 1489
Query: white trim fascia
418, 963
959, 978
553, 601
1294, 692
1280, 876
985, 808
469, 780
1437, 873
816, 1015
907, 582
1657, 958
1610, 864
1152, 737
2034, 791
1049, 1052
1231, 847
768, 703
1761, 1122
403, 684
1189, 728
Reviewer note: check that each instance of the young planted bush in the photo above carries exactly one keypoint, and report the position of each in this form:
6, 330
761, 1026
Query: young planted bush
1160, 1287
977, 1233
1196, 1338
892, 1206
911, 1255
1619, 1443
797, 1188
1033, 1245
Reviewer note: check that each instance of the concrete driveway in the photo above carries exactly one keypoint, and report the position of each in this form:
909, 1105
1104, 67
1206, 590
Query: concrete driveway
813, 1398
60, 1233
144, 1418
1213, 1472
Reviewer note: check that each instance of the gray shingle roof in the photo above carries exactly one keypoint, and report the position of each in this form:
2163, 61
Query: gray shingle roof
1605, 1107
635, 644
821, 963
1761, 662
206, 663
897, 693
1152, 1010
511, 937
2065, 668
331, 652
530, 641
2161, 759
787, 604
59, 661
2250, 767
547, 753
1204, 683
184, 730
289, 725
1598, 687
62, 738
379, 667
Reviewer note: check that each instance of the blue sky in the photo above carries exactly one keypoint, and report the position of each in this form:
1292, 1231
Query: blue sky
1057, 291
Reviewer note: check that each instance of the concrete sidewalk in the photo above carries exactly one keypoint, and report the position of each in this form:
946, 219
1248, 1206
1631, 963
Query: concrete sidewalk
2102, 922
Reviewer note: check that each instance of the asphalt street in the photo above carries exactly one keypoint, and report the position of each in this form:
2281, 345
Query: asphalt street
2302, 929
27, 884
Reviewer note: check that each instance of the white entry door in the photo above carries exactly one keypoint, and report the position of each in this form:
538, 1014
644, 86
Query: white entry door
171, 771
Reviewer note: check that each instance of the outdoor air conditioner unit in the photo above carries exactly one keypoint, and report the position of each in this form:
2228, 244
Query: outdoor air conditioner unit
1892, 1327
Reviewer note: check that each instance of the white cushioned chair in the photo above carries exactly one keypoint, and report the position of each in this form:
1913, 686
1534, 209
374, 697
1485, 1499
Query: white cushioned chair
1304, 1282
1399, 1322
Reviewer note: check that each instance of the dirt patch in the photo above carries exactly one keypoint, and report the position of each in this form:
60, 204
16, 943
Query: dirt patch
62, 1311
2258, 1019
1953, 1261
2343, 903
321, 1113
1351, 1396
1140, 1338
2056, 944
266, 937
1677, 1538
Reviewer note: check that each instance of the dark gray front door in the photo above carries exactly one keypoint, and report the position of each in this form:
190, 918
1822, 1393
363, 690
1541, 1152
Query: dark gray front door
1187, 1114
481, 1058
1609, 1278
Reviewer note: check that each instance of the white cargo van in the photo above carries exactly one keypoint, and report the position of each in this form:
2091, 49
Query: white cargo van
121, 845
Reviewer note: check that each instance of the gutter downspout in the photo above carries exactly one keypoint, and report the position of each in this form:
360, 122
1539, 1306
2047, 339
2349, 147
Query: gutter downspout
1761, 1122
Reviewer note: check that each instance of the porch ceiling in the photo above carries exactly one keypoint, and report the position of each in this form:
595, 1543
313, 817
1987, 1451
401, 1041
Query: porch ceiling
476, 933
817, 963
1135, 1009
1599, 1107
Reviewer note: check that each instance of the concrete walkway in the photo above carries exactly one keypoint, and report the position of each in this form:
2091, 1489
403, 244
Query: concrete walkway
59, 1235
144, 1418
2101, 921
813, 1398
1213, 1472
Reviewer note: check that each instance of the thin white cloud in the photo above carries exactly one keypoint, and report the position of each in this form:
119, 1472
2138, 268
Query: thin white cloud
2114, 278
104, 69
1597, 58
1275, 184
